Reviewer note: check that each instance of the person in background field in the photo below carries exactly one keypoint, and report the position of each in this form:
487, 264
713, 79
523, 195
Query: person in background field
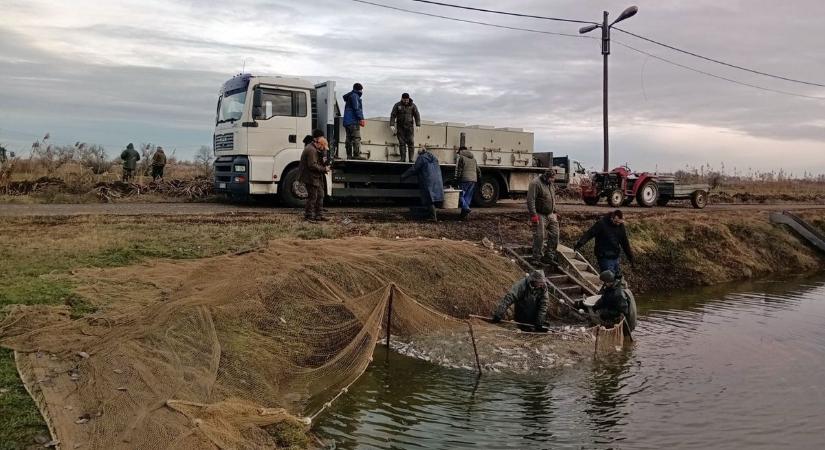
467, 173
354, 121
158, 164
403, 117
541, 205
312, 172
531, 298
130, 157
430, 183
611, 240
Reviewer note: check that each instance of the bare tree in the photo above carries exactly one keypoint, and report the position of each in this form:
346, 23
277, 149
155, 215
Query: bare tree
203, 159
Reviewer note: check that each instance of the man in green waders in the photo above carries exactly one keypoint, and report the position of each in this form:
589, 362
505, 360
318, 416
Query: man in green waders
531, 298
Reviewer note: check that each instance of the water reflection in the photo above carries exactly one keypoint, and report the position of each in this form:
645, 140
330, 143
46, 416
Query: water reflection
733, 367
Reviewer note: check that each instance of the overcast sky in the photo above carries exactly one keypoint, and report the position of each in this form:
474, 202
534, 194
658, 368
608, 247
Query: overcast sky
149, 71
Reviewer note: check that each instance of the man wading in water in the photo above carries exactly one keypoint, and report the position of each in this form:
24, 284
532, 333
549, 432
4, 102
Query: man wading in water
531, 298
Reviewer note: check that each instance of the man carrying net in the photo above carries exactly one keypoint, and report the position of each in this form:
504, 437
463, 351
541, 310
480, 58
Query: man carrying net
531, 298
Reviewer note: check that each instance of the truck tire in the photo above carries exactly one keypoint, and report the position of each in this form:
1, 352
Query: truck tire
662, 201
487, 192
590, 201
292, 192
647, 194
615, 198
699, 199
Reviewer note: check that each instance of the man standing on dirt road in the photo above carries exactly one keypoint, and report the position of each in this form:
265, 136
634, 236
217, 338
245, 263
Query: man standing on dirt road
467, 173
531, 298
430, 183
130, 157
158, 164
403, 117
311, 172
354, 121
541, 204
611, 240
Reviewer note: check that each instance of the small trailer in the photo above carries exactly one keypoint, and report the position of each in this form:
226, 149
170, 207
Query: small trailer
621, 186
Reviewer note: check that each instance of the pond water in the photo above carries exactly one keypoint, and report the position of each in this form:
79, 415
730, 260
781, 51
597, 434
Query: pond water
728, 367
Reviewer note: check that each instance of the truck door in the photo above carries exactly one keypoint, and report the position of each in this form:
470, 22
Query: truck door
278, 117
325, 107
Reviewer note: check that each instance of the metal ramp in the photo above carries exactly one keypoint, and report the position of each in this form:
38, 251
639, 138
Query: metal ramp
804, 229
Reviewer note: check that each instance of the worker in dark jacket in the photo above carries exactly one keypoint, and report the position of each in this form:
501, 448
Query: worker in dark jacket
467, 173
403, 117
531, 298
541, 205
611, 240
158, 164
612, 304
430, 183
311, 172
130, 157
354, 121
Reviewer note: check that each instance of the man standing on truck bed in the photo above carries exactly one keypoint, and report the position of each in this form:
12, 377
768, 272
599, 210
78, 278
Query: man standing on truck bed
403, 117
467, 173
611, 239
311, 171
354, 120
541, 204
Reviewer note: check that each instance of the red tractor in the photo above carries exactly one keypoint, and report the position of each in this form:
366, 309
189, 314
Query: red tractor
620, 186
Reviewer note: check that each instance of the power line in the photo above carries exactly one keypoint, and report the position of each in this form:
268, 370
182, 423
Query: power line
693, 69
506, 13
654, 56
706, 58
475, 22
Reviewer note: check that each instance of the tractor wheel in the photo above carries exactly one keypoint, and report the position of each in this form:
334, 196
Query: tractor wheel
699, 199
292, 192
591, 201
647, 194
615, 198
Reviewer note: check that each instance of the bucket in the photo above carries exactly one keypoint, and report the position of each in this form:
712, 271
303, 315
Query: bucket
451, 198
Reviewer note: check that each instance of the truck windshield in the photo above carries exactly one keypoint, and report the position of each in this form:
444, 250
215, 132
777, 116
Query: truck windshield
230, 106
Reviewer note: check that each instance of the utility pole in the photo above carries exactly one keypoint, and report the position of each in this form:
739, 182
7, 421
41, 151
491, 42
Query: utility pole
627, 13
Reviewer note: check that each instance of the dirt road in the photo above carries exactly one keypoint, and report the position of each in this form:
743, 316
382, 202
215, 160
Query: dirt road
504, 207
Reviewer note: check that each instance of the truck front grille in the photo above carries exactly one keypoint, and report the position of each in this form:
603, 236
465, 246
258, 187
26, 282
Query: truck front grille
224, 141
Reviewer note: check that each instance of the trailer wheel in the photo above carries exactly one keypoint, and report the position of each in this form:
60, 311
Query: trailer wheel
616, 198
662, 201
487, 192
291, 191
647, 194
590, 201
699, 199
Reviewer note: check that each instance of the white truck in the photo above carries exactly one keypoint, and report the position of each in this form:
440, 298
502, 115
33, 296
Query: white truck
261, 123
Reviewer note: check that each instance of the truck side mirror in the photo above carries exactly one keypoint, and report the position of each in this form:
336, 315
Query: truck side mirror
257, 103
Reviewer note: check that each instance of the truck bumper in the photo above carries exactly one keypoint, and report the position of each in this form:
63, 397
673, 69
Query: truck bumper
228, 180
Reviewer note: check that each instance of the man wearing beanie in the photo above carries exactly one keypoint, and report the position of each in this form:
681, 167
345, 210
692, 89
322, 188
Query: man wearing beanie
354, 120
531, 298
403, 117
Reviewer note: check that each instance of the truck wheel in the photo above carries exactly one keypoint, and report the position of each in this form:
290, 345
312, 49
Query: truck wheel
616, 198
662, 201
699, 199
291, 191
647, 194
591, 201
487, 192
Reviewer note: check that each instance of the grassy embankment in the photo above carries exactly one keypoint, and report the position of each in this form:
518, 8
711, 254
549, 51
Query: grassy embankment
39, 254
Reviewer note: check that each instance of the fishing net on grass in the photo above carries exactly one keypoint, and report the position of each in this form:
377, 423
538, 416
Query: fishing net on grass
223, 352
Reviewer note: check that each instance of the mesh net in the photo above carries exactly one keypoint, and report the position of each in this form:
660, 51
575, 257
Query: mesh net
211, 353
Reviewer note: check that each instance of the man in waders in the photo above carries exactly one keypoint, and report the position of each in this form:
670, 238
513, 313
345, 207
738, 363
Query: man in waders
311, 172
531, 298
404, 120
130, 157
613, 304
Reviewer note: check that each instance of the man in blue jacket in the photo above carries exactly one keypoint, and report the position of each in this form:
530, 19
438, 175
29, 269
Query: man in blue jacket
354, 120
430, 183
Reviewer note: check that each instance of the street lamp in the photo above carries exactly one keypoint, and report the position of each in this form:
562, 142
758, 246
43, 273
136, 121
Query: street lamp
626, 14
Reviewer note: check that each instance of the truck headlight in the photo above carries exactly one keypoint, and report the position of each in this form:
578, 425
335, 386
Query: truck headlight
240, 168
